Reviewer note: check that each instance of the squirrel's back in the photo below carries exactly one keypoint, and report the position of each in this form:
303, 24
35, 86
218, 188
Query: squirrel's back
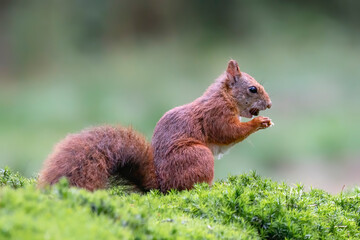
91, 158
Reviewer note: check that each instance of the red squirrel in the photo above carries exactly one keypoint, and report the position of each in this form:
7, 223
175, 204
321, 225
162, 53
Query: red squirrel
183, 146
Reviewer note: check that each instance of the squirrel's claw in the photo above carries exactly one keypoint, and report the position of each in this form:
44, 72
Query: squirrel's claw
271, 124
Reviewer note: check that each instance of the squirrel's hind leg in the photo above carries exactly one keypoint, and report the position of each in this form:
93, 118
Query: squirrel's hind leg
186, 166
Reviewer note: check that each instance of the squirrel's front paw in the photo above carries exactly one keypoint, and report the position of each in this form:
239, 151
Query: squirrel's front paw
262, 122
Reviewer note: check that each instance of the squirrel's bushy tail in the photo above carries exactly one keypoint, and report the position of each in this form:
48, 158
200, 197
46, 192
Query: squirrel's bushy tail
91, 158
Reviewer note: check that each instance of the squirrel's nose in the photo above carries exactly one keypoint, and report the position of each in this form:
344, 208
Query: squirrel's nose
269, 105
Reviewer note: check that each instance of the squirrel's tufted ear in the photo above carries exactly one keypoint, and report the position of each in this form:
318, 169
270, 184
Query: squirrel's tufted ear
233, 68
233, 73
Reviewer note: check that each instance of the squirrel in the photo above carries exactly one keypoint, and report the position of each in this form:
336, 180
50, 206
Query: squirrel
184, 143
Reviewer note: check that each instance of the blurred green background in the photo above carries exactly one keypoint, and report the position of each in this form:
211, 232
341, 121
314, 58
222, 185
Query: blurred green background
66, 65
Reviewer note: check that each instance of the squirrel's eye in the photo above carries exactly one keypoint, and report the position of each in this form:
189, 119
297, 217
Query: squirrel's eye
253, 89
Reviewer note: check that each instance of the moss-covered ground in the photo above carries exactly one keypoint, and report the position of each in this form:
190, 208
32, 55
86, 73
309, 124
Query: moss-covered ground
241, 207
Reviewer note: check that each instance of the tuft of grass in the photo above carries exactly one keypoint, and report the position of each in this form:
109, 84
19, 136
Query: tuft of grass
241, 207
13, 179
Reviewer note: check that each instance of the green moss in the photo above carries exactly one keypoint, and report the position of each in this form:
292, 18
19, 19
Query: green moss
14, 180
242, 207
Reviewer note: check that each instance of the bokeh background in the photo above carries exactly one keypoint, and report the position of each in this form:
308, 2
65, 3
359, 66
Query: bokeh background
67, 65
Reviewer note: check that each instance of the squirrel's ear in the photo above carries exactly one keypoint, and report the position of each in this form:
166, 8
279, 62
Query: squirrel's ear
233, 71
233, 68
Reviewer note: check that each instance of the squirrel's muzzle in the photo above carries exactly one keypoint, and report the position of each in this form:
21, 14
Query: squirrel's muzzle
269, 105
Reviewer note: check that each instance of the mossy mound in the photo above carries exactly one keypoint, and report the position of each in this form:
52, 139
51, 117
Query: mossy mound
241, 207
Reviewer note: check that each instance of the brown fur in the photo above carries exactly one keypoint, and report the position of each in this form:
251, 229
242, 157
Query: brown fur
184, 136
89, 158
183, 142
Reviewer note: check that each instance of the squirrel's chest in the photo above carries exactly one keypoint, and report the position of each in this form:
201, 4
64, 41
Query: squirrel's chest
219, 150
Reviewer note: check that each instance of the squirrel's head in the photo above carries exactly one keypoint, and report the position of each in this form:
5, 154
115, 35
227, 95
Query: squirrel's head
249, 95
